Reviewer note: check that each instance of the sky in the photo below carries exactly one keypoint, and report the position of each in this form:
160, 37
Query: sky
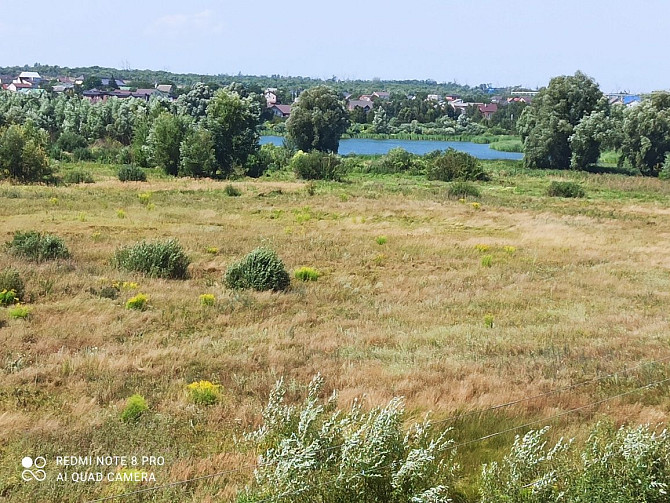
622, 45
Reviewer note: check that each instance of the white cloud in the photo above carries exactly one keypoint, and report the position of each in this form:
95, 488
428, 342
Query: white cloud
178, 25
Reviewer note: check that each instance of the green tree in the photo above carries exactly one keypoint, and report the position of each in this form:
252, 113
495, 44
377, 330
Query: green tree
22, 153
165, 140
197, 154
232, 121
318, 120
598, 130
547, 124
646, 134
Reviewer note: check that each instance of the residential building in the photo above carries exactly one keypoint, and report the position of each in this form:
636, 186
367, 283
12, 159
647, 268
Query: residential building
283, 111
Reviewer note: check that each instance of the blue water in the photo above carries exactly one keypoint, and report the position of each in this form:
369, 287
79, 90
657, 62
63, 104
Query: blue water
420, 147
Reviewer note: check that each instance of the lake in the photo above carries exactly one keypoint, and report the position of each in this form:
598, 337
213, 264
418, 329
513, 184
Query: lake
420, 147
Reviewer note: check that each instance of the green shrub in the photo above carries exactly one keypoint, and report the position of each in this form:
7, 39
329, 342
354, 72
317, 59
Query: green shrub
383, 461
8, 298
207, 299
78, 176
398, 160
204, 392
69, 142
565, 189
487, 260
232, 191
136, 405
130, 173
261, 270
307, 274
664, 174
82, 154
10, 280
381, 240
463, 190
38, 247
455, 165
161, 259
138, 303
19, 312
316, 165
488, 320
22, 154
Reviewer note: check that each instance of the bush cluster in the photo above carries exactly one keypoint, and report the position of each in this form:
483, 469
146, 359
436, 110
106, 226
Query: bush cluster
10, 280
397, 160
463, 190
307, 274
565, 189
38, 247
316, 165
454, 165
204, 392
130, 173
136, 405
161, 259
78, 176
261, 270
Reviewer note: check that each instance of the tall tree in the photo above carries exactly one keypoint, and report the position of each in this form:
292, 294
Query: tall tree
165, 140
232, 121
547, 124
318, 120
646, 134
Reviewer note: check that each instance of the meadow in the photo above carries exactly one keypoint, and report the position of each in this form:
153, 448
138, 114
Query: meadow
455, 304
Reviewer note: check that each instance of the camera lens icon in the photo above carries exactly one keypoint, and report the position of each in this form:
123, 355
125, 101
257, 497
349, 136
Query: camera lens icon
37, 473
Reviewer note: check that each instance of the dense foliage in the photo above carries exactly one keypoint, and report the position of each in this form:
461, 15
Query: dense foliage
260, 270
454, 165
316, 166
38, 247
318, 454
318, 120
161, 259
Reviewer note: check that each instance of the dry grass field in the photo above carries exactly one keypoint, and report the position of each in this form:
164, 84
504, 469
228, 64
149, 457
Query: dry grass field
461, 307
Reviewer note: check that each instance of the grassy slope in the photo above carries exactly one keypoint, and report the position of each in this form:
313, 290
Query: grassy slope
584, 292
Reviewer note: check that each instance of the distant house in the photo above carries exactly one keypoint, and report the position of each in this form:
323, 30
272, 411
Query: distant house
61, 88
488, 110
281, 110
118, 82
164, 88
384, 95
366, 105
94, 95
32, 78
365, 97
271, 96
146, 94
17, 86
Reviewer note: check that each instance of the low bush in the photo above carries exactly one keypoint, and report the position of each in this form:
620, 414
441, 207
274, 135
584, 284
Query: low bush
397, 160
204, 392
381, 240
138, 303
8, 298
371, 449
136, 405
207, 299
565, 189
69, 142
78, 176
37, 247
316, 166
261, 270
232, 191
161, 259
19, 312
463, 190
130, 173
10, 280
307, 274
454, 165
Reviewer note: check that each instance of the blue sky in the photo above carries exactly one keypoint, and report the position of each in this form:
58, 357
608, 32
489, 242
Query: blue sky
623, 45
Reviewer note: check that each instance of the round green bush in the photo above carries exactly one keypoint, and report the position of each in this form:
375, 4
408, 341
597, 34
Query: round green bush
130, 173
455, 165
10, 280
565, 189
38, 247
164, 259
135, 407
261, 270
